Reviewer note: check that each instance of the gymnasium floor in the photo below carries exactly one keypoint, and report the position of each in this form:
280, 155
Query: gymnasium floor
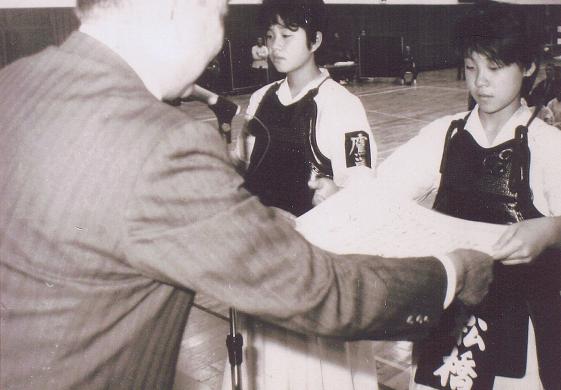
395, 113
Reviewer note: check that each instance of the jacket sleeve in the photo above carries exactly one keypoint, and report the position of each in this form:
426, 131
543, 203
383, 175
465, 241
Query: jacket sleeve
190, 224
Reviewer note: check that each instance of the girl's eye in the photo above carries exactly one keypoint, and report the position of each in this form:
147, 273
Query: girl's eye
286, 35
470, 67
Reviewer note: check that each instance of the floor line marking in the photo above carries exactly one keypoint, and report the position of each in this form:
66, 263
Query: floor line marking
381, 92
440, 87
398, 116
408, 89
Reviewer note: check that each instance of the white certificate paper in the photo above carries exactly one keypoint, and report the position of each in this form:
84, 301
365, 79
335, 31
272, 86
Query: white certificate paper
363, 219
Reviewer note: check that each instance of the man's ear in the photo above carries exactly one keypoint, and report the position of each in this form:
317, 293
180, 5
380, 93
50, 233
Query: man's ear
530, 71
317, 43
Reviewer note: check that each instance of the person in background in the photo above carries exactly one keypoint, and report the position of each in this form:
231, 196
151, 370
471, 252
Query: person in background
460, 71
408, 68
546, 115
306, 136
259, 64
496, 164
546, 89
551, 113
118, 208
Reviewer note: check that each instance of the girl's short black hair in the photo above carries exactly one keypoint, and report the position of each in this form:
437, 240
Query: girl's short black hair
310, 15
500, 32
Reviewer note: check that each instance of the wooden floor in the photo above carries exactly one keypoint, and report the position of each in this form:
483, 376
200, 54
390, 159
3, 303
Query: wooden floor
395, 113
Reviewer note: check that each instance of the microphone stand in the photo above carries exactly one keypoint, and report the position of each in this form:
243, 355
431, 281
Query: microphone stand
234, 343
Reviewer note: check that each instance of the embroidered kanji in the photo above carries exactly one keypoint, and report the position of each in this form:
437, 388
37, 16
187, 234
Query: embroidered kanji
458, 371
473, 336
357, 148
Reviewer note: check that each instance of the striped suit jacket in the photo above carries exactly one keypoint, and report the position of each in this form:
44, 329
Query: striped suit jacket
116, 208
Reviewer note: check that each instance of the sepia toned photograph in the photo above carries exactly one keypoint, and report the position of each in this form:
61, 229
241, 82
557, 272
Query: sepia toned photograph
280, 194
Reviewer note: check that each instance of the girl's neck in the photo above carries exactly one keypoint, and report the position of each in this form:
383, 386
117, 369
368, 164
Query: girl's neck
493, 122
299, 78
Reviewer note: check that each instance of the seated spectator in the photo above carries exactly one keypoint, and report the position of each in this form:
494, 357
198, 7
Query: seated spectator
408, 66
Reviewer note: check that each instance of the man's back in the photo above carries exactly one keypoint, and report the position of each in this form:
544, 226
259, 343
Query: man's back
70, 149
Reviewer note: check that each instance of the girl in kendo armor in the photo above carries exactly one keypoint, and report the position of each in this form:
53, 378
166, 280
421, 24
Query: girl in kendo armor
499, 164
306, 135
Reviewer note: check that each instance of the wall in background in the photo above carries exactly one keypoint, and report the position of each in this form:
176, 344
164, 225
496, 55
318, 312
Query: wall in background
26, 31
71, 3
427, 29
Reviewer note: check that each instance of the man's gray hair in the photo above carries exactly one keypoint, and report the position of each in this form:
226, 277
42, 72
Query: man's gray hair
85, 7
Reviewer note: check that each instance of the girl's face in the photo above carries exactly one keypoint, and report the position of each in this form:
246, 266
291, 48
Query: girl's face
495, 87
288, 49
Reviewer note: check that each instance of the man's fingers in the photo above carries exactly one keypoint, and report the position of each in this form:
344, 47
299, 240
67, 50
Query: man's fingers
474, 297
475, 273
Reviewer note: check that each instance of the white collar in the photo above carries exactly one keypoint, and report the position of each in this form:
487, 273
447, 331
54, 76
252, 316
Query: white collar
284, 95
474, 126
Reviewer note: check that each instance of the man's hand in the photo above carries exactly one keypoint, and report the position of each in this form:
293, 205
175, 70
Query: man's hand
474, 275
